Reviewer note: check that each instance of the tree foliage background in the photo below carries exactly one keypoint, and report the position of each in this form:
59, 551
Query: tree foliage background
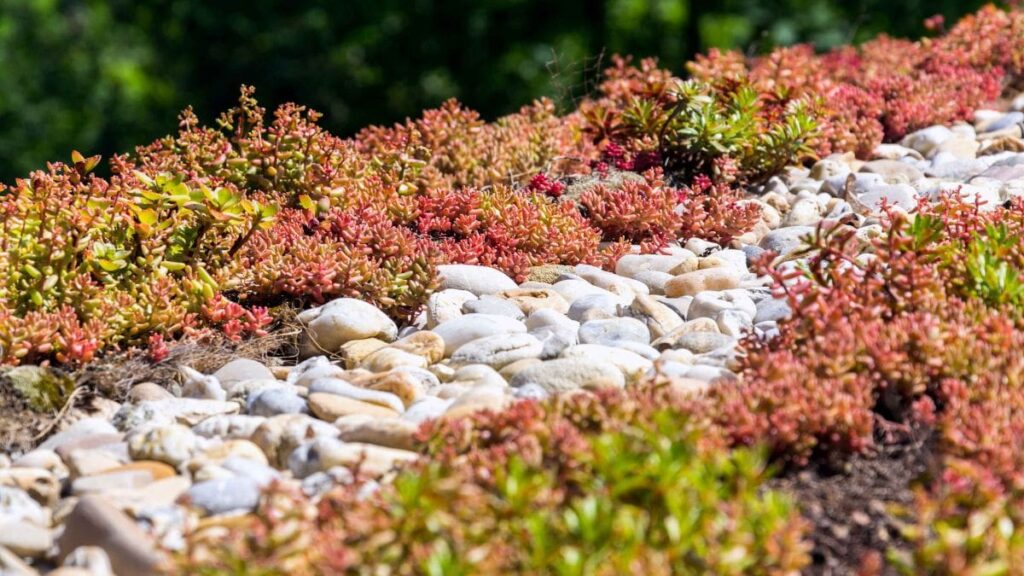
102, 76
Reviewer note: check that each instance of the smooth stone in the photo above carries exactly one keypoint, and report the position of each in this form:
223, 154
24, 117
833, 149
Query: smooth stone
574, 289
829, 166
654, 280
555, 331
25, 539
1004, 121
408, 384
88, 461
39, 483
258, 471
701, 247
595, 307
427, 344
497, 351
698, 281
530, 300
111, 480
242, 369
902, 196
315, 368
96, 522
325, 453
893, 171
279, 435
339, 321
446, 305
806, 212
387, 359
189, 411
478, 375
229, 426
469, 327
16, 505
785, 241
85, 561
389, 432
478, 398
671, 340
172, 444
734, 323
225, 495
659, 318
927, 139
87, 427
772, 309
702, 342
90, 560
343, 389
47, 460
632, 365
490, 304
565, 374
614, 330
632, 264
354, 352
478, 280
218, 453
547, 273
513, 368
274, 401
148, 391
13, 565
625, 287
711, 304
426, 409
330, 407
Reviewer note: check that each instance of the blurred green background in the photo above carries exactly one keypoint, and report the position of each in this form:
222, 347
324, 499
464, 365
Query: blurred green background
102, 76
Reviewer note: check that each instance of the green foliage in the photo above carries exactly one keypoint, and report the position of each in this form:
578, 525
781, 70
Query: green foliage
707, 126
566, 488
992, 275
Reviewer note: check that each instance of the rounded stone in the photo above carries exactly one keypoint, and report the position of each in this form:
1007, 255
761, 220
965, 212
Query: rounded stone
360, 393
389, 358
459, 331
489, 304
274, 401
499, 350
330, 407
692, 283
566, 374
172, 444
224, 495
389, 432
478, 398
702, 342
343, 320
677, 263
446, 305
614, 329
531, 300
425, 343
242, 369
476, 279
595, 307
632, 365
148, 391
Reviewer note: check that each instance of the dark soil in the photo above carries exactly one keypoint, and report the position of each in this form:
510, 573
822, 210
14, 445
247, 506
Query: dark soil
857, 512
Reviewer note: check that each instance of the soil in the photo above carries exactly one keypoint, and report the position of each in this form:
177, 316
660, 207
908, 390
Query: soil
857, 512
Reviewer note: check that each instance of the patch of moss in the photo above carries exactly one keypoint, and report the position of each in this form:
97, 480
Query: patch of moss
44, 389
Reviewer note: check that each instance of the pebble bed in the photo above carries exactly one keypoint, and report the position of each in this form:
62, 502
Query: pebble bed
113, 491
